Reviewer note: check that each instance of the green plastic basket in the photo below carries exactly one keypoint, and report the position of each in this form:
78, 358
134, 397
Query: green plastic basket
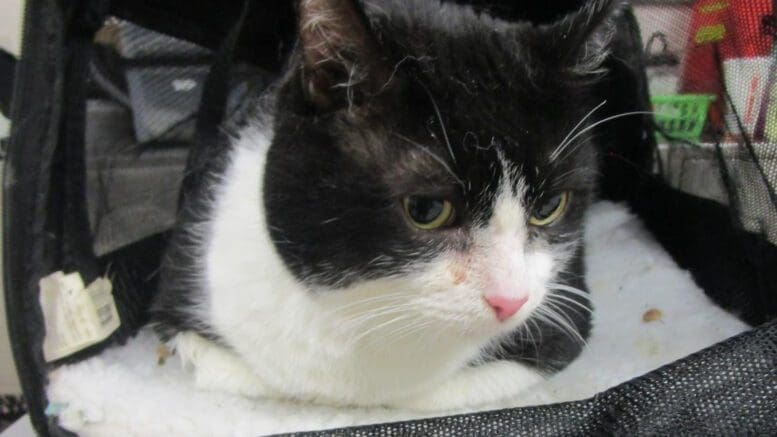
682, 116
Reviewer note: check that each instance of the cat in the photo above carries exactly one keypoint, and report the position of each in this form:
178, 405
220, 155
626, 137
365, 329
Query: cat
398, 221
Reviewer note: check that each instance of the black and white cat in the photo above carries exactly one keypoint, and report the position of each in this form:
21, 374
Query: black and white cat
399, 220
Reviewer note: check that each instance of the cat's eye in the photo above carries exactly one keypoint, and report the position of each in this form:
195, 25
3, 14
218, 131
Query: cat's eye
428, 213
550, 210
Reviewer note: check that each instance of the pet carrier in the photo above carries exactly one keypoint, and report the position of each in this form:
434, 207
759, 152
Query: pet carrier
116, 104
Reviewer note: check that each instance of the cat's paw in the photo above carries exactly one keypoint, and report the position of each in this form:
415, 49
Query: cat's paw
215, 367
476, 387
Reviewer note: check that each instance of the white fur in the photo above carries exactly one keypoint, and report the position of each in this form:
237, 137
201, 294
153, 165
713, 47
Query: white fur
124, 392
404, 340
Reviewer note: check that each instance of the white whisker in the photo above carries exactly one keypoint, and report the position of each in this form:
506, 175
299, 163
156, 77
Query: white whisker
442, 124
610, 118
363, 318
571, 301
563, 307
435, 157
370, 304
569, 289
409, 329
562, 144
548, 313
375, 328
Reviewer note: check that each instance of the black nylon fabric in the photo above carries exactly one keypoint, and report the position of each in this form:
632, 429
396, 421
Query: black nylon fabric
728, 389
36, 110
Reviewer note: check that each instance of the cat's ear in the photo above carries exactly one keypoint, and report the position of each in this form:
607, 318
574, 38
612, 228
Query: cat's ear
341, 60
582, 39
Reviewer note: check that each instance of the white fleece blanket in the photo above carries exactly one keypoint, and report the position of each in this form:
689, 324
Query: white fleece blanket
648, 312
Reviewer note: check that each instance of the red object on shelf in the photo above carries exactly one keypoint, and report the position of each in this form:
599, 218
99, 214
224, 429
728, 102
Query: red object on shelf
746, 38
721, 30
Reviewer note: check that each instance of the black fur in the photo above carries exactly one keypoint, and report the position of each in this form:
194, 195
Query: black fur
335, 176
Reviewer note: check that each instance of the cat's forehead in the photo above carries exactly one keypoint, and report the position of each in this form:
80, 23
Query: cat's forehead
446, 137
446, 164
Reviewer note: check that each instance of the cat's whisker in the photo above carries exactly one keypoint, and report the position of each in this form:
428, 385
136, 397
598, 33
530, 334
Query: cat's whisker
608, 119
371, 318
375, 305
561, 326
330, 220
361, 319
364, 305
526, 328
381, 297
569, 289
553, 306
567, 174
560, 148
571, 301
548, 313
533, 324
387, 322
408, 329
539, 334
366, 333
433, 155
358, 315
570, 324
566, 307
574, 145
442, 123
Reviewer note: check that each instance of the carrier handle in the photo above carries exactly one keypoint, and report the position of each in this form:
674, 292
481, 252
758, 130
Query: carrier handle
662, 57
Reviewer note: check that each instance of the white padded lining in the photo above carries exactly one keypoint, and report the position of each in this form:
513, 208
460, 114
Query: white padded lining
124, 392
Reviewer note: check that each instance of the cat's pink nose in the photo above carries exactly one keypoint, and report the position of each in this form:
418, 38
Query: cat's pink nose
505, 307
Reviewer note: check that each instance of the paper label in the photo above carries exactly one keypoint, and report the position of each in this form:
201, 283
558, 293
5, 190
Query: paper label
75, 317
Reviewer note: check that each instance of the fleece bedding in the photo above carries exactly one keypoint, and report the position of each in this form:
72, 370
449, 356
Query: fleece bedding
647, 312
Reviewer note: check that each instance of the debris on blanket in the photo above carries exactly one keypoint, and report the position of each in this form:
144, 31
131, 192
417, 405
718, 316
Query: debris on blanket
652, 315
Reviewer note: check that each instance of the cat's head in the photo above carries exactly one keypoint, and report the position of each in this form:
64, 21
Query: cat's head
431, 166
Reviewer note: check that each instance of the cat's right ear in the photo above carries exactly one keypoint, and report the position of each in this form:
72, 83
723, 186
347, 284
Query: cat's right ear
341, 60
581, 40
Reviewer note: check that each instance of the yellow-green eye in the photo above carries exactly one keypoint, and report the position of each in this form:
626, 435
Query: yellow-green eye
550, 210
428, 212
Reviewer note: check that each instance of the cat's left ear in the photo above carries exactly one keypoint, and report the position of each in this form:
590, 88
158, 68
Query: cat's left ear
581, 40
341, 59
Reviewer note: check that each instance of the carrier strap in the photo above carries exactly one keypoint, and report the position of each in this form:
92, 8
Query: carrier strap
216, 88
209, 143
